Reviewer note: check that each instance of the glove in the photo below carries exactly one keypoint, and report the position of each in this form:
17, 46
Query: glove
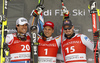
37, 11
6, 46
97, 34
42, 35
65, 12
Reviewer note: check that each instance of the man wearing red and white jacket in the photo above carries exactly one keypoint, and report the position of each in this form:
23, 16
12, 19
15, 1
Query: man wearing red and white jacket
19, 42
74, 45
48, 47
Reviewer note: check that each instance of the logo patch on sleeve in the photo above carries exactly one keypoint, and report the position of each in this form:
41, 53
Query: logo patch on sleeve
86, 38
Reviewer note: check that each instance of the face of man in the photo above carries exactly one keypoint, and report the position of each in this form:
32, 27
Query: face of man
68, 30
48, 31
22, 28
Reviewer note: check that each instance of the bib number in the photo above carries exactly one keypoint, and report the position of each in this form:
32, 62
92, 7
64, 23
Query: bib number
70, 49
46, 51
25, 47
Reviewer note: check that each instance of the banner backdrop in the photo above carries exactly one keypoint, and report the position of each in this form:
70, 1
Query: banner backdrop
79, 15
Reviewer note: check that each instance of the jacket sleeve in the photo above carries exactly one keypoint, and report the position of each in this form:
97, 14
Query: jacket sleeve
9, 39
87, 42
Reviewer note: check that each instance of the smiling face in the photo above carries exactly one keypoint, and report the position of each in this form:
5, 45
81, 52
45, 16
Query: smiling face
48, 31
68, 30
22, 28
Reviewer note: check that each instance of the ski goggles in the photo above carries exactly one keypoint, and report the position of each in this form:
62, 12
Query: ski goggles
68, 28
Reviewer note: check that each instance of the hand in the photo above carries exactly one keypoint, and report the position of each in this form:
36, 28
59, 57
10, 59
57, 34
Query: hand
97, 33
42, 35
64, 9
65, 12
37, 11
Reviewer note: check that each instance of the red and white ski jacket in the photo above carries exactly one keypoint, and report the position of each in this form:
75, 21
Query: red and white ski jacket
75, 48
47, 50
19, 50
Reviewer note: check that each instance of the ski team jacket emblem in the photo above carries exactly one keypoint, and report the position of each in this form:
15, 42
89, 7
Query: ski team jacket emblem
75, 48
19, 50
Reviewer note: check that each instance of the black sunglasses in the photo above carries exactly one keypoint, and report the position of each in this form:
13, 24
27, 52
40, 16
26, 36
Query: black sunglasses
67, 28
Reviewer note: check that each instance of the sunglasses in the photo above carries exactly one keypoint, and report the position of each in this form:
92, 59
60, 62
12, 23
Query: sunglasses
67, 28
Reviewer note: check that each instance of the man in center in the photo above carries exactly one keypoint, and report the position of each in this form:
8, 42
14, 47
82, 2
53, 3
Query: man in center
48, 47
